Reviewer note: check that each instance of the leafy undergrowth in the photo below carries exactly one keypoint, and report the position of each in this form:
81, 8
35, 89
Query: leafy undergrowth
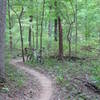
19, 84
14, 78
66, 72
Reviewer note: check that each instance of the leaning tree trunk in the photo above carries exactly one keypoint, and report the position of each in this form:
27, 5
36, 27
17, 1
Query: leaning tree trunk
2, 30
21, 34
60, 39
21, 31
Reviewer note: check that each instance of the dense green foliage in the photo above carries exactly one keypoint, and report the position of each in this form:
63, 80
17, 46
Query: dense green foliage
88, 18
80, 22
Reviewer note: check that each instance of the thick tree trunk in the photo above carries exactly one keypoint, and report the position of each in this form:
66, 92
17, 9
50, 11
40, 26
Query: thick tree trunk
2, 31
60, 39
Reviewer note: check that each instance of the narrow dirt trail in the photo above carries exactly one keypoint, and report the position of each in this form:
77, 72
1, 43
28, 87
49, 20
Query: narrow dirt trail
46, 83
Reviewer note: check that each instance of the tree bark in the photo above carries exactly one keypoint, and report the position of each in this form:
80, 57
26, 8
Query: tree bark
2, 31
21, 34
60, 39
30, 31
76, 38
69, 39
42, 29
56, 21
19, 16
55, 29
37, 28
10, 26
49, 28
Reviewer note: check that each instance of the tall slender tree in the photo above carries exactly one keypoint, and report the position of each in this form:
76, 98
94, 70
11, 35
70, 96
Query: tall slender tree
76, 28
55, 30
55, 21
86, 21
37, 28
19, 17
50, 27
42, 29
59, 22
10, 25
60, 39
2, 31
30, 31
21, 33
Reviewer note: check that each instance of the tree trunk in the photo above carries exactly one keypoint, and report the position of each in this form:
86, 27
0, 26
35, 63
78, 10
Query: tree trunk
10, 26
69, 39
60, 39
21, 31
42, 29
37, 28
76, 29
50, 28
2, 31
30, 32
21, 34
37, 35
29, 37
55, 29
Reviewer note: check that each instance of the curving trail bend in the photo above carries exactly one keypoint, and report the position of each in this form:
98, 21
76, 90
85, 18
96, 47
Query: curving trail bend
46, 83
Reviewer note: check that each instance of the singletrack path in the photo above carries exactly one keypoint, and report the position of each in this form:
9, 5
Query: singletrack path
46, 83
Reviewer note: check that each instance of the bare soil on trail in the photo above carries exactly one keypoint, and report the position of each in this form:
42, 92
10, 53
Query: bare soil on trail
38, 87
30, 90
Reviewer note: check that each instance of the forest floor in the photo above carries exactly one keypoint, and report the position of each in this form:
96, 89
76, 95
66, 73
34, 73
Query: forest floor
37, 87
67, 79
71, 77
